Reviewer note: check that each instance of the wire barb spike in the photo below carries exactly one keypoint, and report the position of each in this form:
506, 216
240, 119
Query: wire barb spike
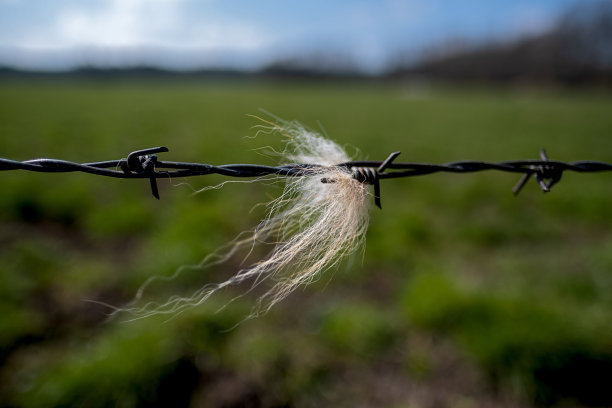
143, 162
542, 171
378, 172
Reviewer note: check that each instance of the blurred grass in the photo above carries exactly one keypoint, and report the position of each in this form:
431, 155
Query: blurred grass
515, 289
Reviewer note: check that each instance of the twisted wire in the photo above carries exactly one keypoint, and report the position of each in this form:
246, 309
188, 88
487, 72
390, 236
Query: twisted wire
144, 164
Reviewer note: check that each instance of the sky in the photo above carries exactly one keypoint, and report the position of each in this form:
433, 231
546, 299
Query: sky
191, 34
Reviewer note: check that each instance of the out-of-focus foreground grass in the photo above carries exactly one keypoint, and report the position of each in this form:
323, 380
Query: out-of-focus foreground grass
464, 295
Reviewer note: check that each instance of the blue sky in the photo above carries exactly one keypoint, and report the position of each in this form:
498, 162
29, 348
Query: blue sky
191, 34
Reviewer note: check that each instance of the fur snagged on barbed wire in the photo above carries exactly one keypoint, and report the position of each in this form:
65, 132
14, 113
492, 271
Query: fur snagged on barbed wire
313, 225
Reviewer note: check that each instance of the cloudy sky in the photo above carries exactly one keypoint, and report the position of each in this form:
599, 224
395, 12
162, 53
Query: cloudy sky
186, 34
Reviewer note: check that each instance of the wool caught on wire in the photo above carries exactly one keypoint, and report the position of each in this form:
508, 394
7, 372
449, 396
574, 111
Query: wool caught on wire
313, 224
321, 216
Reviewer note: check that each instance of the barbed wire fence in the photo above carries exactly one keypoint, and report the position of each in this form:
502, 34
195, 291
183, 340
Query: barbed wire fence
144, 164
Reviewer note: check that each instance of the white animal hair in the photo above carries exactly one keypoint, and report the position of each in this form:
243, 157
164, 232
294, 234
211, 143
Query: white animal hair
313, 225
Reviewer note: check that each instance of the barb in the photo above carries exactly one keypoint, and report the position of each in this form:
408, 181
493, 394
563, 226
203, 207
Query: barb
141, 164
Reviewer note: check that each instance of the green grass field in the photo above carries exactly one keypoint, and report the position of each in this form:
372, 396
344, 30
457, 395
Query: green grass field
464, 296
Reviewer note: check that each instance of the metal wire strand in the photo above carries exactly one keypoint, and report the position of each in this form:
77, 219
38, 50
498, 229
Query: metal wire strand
143, 164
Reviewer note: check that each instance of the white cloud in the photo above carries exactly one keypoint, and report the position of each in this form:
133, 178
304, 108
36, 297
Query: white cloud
121, 23
129, 23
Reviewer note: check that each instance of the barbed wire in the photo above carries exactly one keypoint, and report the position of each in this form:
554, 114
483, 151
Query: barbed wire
144, 164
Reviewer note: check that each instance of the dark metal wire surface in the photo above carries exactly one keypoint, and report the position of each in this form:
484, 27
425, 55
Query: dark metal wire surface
144, 164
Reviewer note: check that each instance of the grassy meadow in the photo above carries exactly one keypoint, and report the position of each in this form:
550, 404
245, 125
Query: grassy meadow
464, 295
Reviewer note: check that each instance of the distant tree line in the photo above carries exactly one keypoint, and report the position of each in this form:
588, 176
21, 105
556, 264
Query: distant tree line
578, 49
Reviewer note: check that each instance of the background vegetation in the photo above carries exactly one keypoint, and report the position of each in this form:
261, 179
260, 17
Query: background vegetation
464, 296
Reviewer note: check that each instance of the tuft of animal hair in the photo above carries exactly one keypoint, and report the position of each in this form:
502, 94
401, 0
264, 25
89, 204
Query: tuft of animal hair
313, 225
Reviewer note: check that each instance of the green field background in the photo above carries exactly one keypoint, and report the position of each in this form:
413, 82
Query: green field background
464, 295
